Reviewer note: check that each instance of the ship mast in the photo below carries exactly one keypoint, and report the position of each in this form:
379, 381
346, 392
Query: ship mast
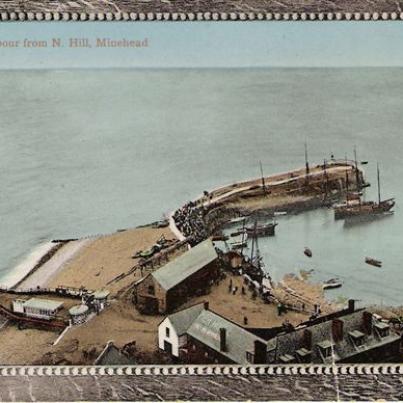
253, 243
326, 179
357, 176
243, 235
346, 182
379, 185
306, 159
261, 173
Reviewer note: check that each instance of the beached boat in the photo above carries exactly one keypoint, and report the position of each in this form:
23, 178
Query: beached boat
332, 283
373, 262
160, 224
307, 252
355, 207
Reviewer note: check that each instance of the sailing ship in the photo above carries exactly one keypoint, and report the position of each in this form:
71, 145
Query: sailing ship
254, 266
239, 241
355, 207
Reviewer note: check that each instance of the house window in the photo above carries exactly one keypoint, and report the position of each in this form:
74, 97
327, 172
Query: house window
357, 338
151, 289
384, 332
167, 331
325, 348
382, 329
249, 357
326, 352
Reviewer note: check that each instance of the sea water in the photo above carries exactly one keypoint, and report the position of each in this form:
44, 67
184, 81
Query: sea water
90, 152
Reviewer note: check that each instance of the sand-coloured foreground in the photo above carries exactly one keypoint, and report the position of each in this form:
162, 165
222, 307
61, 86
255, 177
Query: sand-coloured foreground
45, 273
122, 323
104, 258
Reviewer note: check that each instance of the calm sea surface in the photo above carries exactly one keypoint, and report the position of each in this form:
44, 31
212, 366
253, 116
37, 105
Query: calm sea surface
88, 152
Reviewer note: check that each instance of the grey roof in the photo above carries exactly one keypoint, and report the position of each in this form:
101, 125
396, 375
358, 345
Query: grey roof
356, 334
185, 265
381, 325
101, 294
39, 303
286, 358
303, 352
321, 334
206, 329
183, 319
325, 344
78, 309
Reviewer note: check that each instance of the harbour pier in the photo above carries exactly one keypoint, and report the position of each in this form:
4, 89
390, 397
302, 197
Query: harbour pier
292, 191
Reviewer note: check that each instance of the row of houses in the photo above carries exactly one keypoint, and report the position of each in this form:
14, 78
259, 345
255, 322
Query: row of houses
199, 335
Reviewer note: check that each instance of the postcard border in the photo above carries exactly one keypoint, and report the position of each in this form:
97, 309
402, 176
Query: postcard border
203, 383
12, 16
200, 370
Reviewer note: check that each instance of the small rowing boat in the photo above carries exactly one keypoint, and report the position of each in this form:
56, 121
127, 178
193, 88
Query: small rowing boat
332, 283
307, 252
373, 262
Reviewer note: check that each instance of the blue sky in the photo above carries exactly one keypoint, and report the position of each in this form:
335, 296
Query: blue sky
209, 44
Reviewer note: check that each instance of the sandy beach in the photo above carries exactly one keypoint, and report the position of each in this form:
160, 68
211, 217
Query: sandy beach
102, 259
43, 275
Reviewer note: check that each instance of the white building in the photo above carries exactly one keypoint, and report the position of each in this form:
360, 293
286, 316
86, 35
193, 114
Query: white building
172, 330
37, 307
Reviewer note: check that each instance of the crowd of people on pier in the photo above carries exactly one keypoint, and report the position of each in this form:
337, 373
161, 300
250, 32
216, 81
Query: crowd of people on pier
190, 221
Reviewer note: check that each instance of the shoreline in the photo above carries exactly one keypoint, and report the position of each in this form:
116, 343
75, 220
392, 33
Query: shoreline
221, 195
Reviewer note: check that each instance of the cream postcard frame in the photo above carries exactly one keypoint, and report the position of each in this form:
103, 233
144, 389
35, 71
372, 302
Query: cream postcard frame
207, 382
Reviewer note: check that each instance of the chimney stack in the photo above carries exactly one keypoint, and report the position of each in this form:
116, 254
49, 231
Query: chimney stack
367, 322
206, 305
337, 330
351, 305
223, 339
307, 339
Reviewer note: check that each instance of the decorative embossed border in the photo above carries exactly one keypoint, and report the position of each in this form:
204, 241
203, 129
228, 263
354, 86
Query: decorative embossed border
202, 383
198, 16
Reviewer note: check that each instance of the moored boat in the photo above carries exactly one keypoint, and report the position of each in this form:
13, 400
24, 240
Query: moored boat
354, 206
239, 241
307, 252
373, 262
332, 283
261, 230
